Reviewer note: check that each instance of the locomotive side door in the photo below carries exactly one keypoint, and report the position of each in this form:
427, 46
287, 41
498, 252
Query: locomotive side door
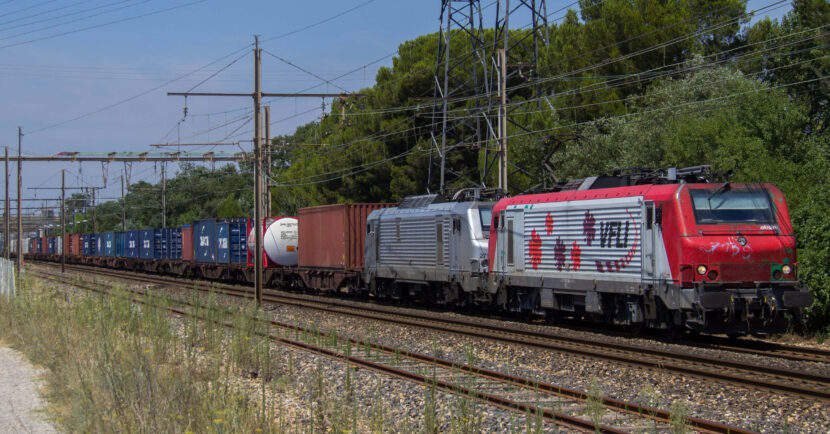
501, 245
455, 244
651, 231
513, 235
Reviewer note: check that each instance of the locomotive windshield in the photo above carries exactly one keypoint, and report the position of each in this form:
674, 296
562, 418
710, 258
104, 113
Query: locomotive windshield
486, 215
736, 205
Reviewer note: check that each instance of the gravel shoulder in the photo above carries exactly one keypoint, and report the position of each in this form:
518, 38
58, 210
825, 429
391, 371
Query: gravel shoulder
20, 403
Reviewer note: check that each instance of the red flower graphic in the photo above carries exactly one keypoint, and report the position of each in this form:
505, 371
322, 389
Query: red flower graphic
549, 223
576, 256
535, 247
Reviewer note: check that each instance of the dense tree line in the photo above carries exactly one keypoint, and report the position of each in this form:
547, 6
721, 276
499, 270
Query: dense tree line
626, 83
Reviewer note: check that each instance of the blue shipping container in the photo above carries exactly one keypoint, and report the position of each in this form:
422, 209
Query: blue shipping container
132, 244
159, 244
204, 240
147, 245
173, 247
232, 241
99, 245
109, 244
52, 243
39, 245
119, 245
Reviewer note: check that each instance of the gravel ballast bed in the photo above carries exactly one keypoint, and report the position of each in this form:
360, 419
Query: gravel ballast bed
743, 407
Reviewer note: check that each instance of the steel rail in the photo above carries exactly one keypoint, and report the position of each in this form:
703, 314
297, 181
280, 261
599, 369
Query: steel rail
662, 416
797, 383
559, 418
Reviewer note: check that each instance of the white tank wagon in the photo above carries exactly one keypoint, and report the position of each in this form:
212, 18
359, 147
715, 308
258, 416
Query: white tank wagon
279, 241
429, 249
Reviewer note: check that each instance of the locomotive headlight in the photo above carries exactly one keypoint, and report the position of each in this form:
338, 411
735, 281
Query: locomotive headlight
786, 269
701, 269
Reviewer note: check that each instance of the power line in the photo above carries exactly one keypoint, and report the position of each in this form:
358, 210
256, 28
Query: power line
153, 89
323, 21
96, 26
27, 8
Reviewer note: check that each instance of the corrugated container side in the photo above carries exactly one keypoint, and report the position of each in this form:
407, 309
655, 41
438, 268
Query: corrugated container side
174, 243
75, 244
334, 236
159, 244
146, 243
99, 245
109, 244
132, 244
222, 243
204, 241
187, 243
44, 244
119, 244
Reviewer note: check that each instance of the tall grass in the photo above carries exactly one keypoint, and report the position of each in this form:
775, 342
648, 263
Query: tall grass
112, 365
116, 365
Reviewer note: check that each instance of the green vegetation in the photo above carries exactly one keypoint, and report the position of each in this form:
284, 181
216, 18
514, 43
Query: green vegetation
634, 82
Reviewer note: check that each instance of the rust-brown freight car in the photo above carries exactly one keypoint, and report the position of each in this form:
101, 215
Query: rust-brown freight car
331, 243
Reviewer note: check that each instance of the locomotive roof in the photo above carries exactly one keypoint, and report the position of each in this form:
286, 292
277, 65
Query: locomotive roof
649, 191
431, 209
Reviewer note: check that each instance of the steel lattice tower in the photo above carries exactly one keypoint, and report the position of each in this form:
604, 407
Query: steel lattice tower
467, 99
461, 82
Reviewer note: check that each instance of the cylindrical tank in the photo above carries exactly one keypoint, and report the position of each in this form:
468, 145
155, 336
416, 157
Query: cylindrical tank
279, 241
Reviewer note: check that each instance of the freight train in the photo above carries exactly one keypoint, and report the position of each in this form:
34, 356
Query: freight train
657, 249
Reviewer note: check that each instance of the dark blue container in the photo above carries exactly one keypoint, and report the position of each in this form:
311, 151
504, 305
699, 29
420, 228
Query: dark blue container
119, 244
204, 240
232, 241
132, 244
99, 245
146, 243
173, 248
84, 244
159, 244
39, 245
51, 242
109, 244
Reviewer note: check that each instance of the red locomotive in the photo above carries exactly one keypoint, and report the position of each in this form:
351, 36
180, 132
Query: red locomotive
717, 258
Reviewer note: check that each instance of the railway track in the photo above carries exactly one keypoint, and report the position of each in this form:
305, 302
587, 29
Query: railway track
526, 396
796, 383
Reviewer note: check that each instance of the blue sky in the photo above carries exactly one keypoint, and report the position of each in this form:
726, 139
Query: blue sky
46, 82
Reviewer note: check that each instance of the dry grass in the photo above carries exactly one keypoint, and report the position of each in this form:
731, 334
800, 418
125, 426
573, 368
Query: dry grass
114, 365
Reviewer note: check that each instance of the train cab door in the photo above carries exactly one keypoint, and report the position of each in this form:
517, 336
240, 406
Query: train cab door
510, 241
455, 244
372, 244
651, 233
501, 245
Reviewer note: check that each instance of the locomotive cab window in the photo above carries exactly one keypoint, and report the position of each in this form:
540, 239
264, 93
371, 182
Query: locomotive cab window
486, 215
732, 205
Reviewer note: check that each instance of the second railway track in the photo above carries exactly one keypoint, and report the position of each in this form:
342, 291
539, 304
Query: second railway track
796, 383
550, 402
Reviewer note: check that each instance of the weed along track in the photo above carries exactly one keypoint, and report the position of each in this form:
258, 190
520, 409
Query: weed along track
768, 378
571, 409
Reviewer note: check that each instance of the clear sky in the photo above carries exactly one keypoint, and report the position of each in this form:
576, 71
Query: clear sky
150, 42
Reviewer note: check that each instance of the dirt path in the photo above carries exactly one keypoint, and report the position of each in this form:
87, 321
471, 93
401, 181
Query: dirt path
19, 399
